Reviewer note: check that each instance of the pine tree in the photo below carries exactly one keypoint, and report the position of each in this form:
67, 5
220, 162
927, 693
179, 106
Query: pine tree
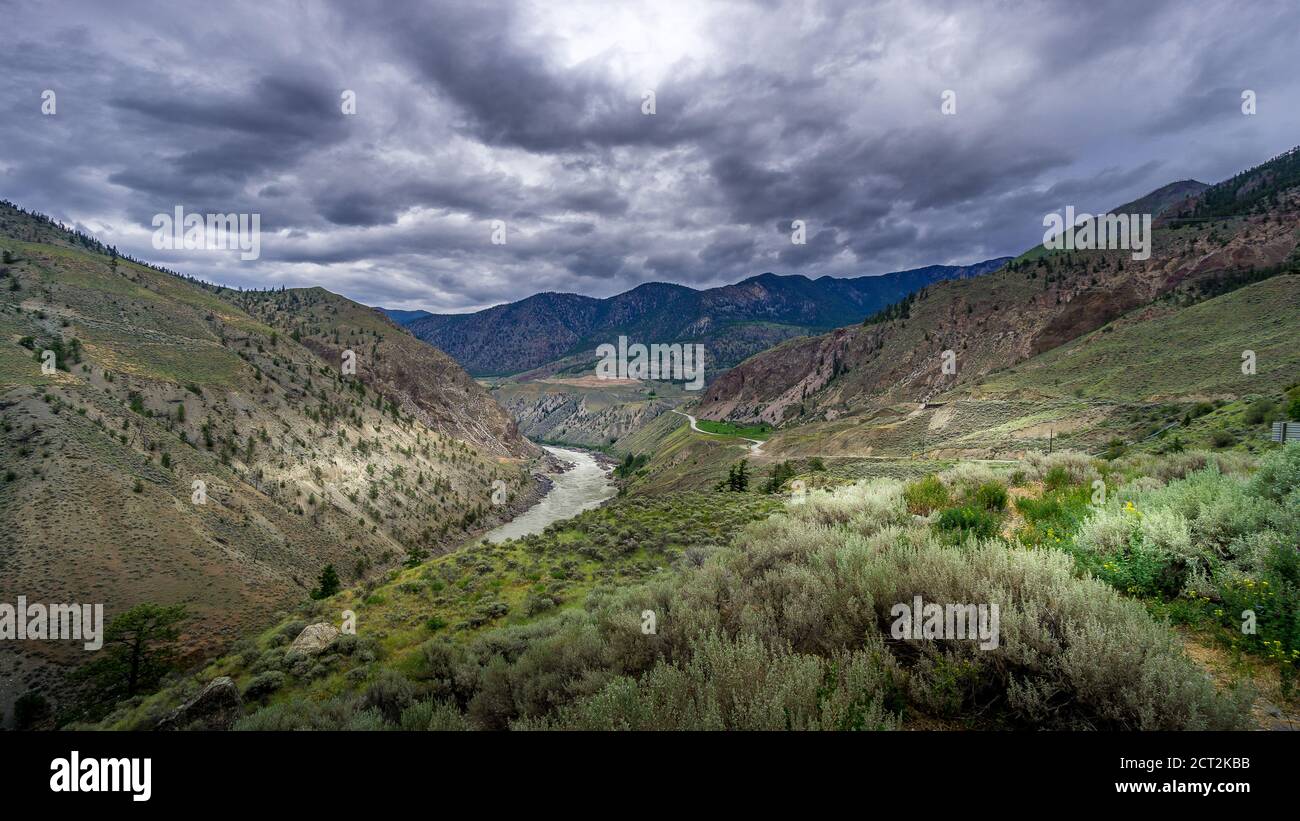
139, 649
738, 476
328, 583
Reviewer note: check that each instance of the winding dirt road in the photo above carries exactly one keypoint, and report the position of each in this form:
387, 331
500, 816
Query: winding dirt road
755, 446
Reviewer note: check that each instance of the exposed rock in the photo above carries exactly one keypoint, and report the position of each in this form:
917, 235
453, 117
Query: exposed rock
566, 414
216, 707
313, 639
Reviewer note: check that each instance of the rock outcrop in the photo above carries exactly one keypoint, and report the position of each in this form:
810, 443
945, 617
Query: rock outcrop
216, 707
313, 640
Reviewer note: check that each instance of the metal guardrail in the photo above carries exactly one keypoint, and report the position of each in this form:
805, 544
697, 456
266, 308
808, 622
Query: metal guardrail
1286, 432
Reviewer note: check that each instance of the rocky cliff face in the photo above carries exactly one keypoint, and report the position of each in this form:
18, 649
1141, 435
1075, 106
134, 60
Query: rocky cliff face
575, 419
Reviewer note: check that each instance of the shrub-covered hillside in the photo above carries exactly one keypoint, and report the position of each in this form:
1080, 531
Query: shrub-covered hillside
1104, 573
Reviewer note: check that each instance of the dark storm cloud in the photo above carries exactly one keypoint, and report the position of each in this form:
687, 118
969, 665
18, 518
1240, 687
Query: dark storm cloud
274, 108
819, 247
508, 90
531, 113
728, 253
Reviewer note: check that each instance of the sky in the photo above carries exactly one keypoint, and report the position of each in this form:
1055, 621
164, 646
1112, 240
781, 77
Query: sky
528, 122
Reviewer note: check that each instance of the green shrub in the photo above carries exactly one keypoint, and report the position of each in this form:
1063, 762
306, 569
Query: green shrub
289, 631
1278, 476
264, 684
339, 713
796, 584
537, 603
1222, 439
969, 475
1260, 411
1197, 411
968, 521
925, 496
1065, 467
1115, 448
1107, 532
433, 715
1056, 478
1273, 598
871, 504
389, 693
30, 709
991, 496
346, 644
744, 685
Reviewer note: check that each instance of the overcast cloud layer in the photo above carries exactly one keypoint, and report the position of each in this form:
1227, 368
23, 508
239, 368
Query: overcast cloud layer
531, 113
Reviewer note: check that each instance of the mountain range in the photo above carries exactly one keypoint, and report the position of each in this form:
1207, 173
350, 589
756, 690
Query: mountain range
1100, 332
732, 321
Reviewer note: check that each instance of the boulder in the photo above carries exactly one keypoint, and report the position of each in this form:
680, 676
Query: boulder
216, 707
313, 640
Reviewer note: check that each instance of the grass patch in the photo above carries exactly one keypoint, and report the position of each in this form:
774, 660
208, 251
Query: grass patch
760, 432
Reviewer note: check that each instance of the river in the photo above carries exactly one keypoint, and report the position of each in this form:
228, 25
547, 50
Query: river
581, 487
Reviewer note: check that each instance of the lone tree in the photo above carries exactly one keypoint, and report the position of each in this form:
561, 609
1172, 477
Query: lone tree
138, 651
328, 584
737, 477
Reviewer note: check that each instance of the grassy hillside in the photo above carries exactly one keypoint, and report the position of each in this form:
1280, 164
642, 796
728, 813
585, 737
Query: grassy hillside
163, 382
1046, 299
1091, 350
673, 613
1166, 368
1167, 351
682, 459
415, 378
461, 600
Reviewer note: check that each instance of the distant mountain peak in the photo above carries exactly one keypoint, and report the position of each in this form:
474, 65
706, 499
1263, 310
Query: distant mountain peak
734, 320
1164, 198
402, 317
